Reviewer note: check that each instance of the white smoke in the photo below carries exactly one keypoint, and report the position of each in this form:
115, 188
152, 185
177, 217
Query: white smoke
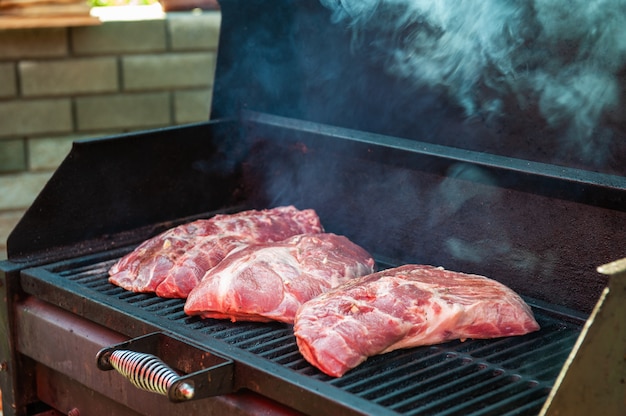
558, 57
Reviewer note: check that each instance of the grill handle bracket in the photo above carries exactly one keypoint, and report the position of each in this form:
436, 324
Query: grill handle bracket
163, 364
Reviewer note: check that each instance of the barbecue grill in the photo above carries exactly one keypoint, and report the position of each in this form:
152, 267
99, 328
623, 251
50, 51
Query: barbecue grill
301, 118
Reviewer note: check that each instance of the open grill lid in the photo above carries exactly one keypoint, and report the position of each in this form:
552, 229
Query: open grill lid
293, 58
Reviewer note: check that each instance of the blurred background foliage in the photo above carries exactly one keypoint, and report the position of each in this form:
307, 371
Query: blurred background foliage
103, 3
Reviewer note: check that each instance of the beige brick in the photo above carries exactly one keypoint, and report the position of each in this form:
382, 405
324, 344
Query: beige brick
192, 106
8, 221
120, 37
48, 152
130, 111
8, 83
24, 117
190, 31
33, 43
18, 191
177, 70
71, 76
12, 155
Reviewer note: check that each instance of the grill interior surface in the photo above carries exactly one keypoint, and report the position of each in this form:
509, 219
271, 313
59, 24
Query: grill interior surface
507, 376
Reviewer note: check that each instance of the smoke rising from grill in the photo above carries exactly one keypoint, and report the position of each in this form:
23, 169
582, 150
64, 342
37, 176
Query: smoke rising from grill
560, 58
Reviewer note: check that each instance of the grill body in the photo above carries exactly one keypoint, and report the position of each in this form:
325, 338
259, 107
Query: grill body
490, 206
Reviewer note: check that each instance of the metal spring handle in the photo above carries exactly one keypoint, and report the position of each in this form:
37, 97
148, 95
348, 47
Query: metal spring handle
203, 373
148, 372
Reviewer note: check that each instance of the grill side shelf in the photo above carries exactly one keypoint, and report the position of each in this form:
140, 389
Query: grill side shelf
501, 374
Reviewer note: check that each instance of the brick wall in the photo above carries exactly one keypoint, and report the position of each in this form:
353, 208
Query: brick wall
62, 84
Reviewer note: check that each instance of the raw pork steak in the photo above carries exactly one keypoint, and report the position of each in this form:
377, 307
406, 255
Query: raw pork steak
172, 263
270, 281
408, 306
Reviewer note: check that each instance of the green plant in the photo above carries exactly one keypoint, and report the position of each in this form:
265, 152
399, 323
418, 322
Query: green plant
104, 3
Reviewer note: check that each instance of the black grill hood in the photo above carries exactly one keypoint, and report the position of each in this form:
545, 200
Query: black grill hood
289, 58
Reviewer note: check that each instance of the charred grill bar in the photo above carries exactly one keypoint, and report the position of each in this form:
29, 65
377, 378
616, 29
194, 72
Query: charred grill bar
284, 132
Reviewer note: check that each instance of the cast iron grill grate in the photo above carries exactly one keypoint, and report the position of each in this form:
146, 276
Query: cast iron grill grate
507, 376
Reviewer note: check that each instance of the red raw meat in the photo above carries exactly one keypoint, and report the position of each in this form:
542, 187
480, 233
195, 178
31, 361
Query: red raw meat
405, 307
172, 263
270, 281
